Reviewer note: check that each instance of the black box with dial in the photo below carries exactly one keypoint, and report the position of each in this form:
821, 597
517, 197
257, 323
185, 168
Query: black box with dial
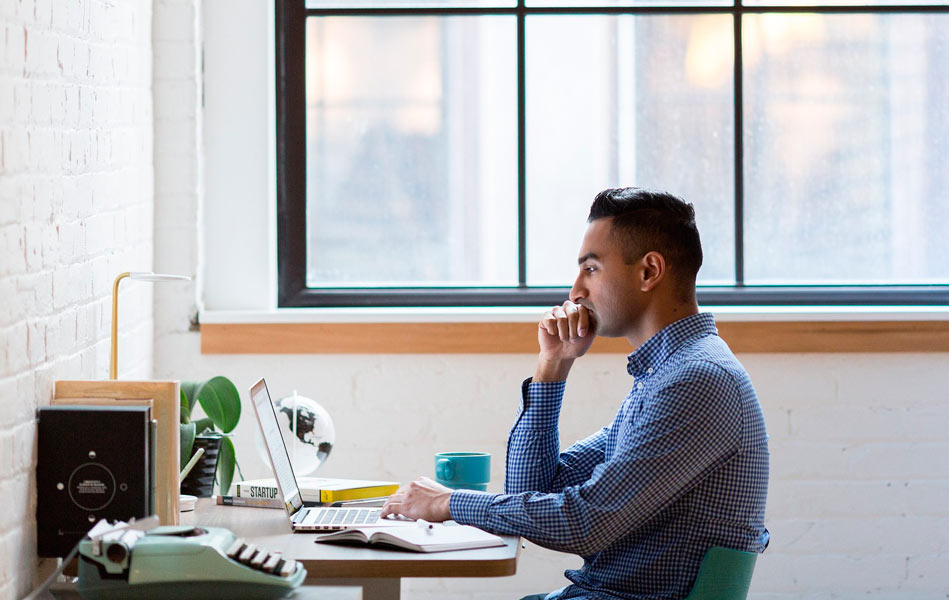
94, 462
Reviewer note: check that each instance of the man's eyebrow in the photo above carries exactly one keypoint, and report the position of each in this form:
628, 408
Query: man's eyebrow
587, 257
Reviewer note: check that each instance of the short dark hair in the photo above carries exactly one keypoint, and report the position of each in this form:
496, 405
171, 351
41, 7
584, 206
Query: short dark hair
649, 220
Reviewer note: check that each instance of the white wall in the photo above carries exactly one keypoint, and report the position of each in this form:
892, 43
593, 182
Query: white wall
859, 450
75, 211
860, 474
178, 164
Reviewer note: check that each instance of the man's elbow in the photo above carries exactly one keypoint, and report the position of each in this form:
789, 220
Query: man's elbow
591, 543
586, 538
581, 544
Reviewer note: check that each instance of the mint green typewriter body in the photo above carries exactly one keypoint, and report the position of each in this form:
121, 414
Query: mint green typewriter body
185, 562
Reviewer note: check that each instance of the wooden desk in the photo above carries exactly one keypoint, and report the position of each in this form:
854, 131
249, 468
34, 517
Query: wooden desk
378, 571
68, 591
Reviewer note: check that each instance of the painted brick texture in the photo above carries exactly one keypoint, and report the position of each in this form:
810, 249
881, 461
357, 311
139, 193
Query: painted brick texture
76, 209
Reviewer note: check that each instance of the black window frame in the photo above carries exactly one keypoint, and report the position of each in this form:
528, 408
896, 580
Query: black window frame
291, 18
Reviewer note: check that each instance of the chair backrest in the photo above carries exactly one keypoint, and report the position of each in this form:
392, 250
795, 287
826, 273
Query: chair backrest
725, 574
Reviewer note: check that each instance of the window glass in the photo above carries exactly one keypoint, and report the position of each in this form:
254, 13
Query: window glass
412, 135
846, 129
411, 151
389, 4
620, 3
843, 2
627, 100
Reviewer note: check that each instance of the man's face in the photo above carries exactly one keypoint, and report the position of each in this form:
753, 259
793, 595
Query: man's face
606, 285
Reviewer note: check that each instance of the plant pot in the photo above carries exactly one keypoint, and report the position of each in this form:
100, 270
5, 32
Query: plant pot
200, 481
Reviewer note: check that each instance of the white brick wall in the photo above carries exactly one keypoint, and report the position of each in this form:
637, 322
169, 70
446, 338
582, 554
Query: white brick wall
860, 474
76, 209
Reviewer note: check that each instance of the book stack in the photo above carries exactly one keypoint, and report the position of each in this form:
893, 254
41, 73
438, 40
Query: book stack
314, 490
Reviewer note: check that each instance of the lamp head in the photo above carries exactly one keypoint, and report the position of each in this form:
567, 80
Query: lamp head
148, 276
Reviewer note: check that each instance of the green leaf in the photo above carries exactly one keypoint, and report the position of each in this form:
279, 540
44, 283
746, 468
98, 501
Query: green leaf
189, 390
203, 425
186, 443
225, 465
221, 402
185, 409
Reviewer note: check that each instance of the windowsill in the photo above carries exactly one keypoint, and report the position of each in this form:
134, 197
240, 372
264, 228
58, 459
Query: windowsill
512, 330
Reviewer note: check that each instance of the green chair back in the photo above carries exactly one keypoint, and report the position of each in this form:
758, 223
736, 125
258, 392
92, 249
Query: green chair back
725, 574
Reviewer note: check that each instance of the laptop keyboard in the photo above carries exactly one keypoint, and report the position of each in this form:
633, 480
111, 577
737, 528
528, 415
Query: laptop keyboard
358, 516
341, 516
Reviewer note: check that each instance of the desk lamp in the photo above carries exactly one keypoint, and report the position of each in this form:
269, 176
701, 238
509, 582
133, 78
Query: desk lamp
139, 276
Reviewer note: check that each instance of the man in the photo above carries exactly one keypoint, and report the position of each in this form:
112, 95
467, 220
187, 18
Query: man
684, 464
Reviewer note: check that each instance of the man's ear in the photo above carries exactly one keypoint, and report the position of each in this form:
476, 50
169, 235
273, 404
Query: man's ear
653, 270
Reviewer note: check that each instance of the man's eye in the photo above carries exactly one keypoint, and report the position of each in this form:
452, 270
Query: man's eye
589, 269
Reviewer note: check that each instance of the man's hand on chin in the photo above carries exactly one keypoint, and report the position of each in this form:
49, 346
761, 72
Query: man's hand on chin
421, 499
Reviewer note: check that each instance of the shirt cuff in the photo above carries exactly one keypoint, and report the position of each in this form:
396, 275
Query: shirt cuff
470, 507
540, 404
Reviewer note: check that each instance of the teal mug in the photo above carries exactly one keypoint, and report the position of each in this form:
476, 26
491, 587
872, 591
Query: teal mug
463, 470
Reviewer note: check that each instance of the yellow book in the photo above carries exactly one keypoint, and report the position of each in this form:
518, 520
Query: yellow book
319, 489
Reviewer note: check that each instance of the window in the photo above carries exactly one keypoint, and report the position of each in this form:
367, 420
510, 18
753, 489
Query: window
445, 152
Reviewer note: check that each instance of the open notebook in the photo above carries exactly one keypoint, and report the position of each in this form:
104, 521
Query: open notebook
427, 537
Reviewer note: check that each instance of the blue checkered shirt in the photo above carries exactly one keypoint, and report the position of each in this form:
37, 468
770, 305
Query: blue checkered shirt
682, 467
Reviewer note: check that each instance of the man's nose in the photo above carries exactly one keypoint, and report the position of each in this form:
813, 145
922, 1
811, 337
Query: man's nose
578, 291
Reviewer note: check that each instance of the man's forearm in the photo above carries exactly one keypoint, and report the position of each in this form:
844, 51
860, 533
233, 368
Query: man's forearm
552, 370
534, 444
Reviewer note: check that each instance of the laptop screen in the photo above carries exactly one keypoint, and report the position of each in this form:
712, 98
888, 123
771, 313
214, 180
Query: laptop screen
273, 439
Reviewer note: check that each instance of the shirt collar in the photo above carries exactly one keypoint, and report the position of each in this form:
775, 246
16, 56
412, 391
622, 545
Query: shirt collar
667, 340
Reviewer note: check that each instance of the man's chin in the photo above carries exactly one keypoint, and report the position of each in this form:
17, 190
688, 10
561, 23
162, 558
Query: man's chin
606, 330
602, 329
594, 321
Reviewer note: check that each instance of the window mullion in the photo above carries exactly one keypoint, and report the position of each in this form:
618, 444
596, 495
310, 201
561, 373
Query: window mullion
739, 149
521, 150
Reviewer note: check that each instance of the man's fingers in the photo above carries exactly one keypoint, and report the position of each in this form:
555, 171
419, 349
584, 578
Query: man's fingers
390, 508
566, 321
583, 321
557, 317
563, 326
394, 502
571, 311
549, 322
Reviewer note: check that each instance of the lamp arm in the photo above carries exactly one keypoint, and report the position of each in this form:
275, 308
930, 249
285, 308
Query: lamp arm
113, 357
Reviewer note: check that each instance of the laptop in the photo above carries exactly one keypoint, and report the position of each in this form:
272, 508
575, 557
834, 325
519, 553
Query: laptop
303, 518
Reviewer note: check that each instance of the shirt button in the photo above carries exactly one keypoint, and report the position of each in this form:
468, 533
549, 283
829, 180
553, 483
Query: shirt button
649, 370
639, 385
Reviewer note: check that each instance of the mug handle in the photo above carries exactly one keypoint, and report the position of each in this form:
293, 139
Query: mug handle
444, 469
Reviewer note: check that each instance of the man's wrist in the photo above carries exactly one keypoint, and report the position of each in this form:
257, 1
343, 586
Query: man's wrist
445, 508
549, 370
470, 507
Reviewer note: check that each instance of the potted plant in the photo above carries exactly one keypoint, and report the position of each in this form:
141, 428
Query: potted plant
221, 403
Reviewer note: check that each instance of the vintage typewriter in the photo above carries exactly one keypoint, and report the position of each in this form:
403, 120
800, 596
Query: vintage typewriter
172, 562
